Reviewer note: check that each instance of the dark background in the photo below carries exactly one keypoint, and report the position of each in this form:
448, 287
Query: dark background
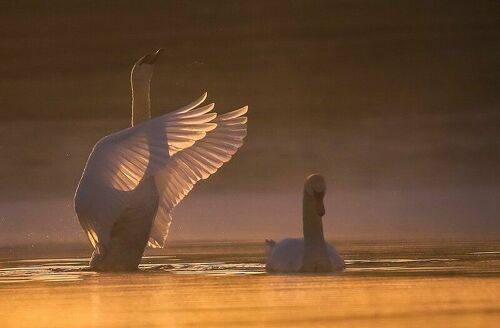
395, 102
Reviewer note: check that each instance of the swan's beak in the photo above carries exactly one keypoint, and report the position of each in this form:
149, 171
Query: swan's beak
155, 55
151, 58
320, 206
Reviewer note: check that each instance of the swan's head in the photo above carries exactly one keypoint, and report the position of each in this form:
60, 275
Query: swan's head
151, 58
143, 68
315, 187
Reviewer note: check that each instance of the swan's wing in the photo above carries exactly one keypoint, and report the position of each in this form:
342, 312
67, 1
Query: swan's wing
193, 164
123, 159
336, 260
286, 256
119, 162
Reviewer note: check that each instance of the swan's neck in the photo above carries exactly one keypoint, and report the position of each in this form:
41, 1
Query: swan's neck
312, 223
141, 103
315, 251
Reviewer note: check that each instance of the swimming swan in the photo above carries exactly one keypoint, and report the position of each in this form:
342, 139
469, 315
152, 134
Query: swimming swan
313, 253
135, 177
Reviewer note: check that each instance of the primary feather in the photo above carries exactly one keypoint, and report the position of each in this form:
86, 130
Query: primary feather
134, 178
193, 164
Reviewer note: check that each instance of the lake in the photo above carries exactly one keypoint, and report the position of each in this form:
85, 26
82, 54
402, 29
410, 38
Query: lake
223, 284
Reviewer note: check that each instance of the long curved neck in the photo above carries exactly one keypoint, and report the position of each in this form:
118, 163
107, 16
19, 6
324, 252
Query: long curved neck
141, 102
315, 251
312, 223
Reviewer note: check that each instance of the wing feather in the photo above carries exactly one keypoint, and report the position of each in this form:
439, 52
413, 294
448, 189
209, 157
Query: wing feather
119, 162
193, 164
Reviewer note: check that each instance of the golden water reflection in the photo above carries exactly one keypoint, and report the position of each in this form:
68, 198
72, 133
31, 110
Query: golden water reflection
388, 287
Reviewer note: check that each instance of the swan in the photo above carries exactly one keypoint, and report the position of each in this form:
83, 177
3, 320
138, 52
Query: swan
134, 178
312, 253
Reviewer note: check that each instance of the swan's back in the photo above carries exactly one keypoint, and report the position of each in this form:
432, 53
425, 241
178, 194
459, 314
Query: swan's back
288, 254
336, 260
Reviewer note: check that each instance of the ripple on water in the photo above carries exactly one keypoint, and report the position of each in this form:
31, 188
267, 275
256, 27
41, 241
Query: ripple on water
74, 269
64, 270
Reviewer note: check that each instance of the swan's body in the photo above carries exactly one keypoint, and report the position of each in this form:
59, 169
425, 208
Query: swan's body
134, 178
288, 256
312, 253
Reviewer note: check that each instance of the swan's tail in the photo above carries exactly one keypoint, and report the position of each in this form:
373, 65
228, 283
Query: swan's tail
269, 245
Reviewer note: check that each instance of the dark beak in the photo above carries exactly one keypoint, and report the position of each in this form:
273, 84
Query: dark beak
151, 58
318, 203
156, 55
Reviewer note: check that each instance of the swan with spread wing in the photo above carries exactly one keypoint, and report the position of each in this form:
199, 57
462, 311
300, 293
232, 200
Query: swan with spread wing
135, 177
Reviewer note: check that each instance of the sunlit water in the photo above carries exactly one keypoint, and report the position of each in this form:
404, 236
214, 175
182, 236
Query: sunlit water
224, 284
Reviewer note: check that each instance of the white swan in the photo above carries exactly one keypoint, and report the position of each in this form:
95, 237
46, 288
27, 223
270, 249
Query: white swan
134, 178
313, 253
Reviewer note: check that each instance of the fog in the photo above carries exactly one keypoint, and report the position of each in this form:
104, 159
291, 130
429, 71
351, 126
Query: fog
396, 105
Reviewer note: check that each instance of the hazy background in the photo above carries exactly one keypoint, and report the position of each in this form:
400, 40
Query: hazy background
395, 103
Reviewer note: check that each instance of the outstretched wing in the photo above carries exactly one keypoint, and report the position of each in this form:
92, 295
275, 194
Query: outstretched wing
119, 162
193, 164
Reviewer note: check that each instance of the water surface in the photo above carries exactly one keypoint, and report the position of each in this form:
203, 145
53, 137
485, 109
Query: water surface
224, 284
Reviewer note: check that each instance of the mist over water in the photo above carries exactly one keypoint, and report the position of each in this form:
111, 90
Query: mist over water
259, 193
395, 104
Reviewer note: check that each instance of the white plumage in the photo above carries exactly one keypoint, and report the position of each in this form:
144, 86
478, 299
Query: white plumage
196, 163
134, 178
312, 253
288, 256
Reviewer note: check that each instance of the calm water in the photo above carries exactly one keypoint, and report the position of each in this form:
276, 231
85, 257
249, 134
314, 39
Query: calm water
224, 284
